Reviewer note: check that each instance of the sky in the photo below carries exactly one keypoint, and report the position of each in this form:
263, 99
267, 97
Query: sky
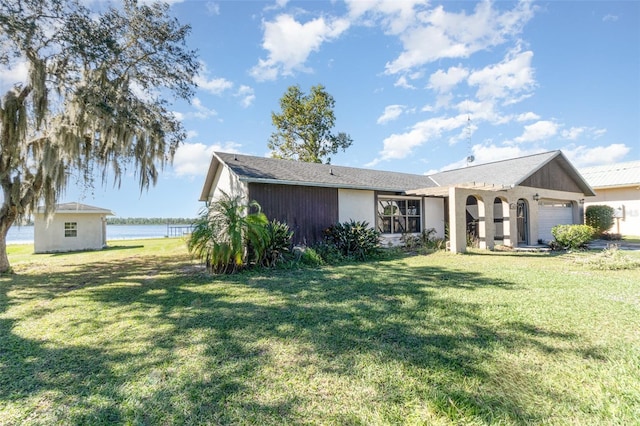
420, 86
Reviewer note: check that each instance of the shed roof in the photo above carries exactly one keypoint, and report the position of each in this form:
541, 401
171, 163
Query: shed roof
612, 175
75, 207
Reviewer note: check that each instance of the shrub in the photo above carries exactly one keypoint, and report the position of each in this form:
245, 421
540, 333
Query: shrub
225, 235
610, 236
572, 236
425, 240
611, 259
311, 257
599, 217
353, 239
277, 243
329, 253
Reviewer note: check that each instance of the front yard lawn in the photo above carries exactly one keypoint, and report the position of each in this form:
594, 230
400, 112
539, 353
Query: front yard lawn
138, 334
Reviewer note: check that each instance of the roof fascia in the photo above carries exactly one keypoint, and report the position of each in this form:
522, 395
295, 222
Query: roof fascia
211, 174
318, 184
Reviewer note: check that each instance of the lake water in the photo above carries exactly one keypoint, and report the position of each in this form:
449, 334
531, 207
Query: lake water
24, 234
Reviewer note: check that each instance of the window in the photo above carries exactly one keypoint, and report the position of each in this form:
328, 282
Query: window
70, 229
398, 216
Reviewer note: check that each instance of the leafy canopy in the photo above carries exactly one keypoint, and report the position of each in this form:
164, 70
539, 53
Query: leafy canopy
94, 101
304, 127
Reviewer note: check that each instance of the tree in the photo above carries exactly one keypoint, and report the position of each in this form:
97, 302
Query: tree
94, 103
304, 127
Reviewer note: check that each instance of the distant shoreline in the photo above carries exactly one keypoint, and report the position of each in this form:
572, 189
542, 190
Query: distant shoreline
117, 232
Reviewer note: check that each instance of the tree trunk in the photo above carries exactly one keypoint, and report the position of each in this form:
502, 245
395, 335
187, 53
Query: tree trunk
5, 224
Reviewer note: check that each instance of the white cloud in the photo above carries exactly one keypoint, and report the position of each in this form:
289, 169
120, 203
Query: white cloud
17, 72
213, 8
395, 16
481, 111
596, 133
505, 79
590, 132
443, 81
391, 112
573, 133
398, 146
487, 153
527, 116
192, 159
582, 156
538, 131
457, 35
202, 111
214, 86
404, 83
290, 43
246, 95
610, 18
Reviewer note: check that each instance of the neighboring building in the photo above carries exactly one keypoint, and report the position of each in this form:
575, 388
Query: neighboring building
512, 202
72, 227
618, 186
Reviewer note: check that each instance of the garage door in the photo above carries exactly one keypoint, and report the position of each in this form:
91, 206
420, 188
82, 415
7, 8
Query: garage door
552, 214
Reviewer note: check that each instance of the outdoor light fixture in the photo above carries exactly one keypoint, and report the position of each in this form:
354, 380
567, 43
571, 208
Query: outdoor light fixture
536, 197
581, 201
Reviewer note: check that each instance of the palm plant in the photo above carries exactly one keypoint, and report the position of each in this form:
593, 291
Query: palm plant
226, 233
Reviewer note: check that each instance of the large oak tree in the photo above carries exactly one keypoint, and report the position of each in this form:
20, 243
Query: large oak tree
304, 127
95, 101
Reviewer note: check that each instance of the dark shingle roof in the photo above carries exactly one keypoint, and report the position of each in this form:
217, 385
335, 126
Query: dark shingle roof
506, 172
270, 170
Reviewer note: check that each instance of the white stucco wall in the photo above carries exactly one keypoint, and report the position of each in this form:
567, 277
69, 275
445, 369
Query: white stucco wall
50, 236
228, 182
628, 199
358, 205
434, 215
486, 210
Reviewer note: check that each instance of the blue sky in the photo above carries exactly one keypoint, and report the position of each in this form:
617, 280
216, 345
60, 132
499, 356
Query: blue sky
419, 86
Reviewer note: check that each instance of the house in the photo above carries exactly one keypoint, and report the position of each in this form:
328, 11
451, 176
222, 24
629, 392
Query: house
618, 186
511, 202
72, 227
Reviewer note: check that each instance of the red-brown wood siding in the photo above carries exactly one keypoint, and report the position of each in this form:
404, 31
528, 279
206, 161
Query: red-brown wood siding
307, 210
552, 176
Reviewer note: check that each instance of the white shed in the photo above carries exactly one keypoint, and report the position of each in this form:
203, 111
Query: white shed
73, 227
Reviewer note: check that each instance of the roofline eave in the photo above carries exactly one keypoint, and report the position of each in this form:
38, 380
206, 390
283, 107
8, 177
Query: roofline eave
320, 184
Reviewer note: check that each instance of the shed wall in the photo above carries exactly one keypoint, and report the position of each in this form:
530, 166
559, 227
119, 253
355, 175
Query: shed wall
50, 237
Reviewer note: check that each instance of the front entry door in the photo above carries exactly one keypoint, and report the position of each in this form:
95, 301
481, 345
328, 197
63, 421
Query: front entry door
523, 222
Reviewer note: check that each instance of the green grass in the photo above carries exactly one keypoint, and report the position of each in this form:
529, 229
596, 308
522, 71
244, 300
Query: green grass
138, 334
